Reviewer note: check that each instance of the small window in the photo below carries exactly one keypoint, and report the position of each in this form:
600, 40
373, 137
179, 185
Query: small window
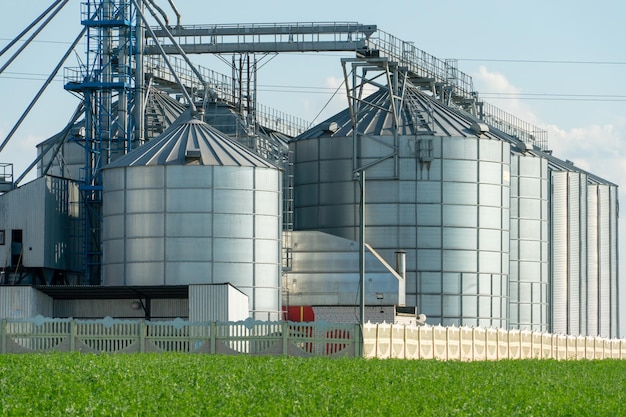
1, 237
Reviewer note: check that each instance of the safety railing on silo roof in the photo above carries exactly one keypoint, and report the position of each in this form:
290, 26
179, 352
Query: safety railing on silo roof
435, 71
220, 87
421, 64
514, 126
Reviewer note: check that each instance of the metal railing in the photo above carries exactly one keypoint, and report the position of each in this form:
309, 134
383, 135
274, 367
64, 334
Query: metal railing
429, 70
264, 37
221, 87
421, 64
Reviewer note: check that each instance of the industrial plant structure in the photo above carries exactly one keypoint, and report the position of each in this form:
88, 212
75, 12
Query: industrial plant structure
172, 190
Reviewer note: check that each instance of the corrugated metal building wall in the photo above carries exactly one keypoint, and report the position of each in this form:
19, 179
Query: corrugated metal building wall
218, 302
36, 220
18, 302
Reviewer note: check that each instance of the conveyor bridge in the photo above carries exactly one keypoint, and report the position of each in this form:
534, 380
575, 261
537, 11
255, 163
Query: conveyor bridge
440, 76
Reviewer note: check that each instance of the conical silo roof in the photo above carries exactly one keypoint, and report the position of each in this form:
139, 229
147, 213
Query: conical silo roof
420, 115
190, 141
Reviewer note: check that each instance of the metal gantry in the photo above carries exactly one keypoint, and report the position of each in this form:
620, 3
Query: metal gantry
106, 83
244, 41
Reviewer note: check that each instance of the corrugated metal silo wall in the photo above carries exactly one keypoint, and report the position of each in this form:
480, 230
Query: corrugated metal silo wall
529, 274
24, 302
614, 260
569, 251
602, 290
450, 214
172, 225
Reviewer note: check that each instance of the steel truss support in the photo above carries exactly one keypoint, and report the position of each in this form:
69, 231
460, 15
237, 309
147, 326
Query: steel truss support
364, 77
107, 77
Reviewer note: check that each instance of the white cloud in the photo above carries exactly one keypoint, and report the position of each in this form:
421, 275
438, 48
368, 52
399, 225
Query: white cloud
495, 83
595, 148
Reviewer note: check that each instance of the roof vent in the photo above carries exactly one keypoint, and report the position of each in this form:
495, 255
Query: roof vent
330, 127
479, 128
192, 156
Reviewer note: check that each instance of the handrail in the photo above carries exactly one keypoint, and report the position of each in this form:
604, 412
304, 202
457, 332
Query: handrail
427, 69
221, 88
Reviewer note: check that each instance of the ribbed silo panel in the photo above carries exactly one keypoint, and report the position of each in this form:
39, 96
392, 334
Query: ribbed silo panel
592, 260
573, 253
559, 252
613, 229
582, 290
604, 278
199, 209
528, 238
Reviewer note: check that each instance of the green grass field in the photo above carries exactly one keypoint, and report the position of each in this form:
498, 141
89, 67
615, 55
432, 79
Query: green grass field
211, 385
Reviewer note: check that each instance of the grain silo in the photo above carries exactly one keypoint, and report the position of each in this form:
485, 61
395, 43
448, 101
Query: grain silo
584, 251
194, 207
529, 247
602, 260
443, 198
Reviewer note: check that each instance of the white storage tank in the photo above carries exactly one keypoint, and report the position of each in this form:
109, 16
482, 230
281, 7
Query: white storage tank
194, 207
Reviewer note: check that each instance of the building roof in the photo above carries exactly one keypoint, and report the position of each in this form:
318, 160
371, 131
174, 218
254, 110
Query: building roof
98, 292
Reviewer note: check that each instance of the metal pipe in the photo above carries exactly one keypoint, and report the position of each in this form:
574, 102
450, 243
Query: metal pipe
140, 106
176, 12
43, 88
164, 55
176, 45
29, 27
362, 248
167, 21
401, 270
33, 36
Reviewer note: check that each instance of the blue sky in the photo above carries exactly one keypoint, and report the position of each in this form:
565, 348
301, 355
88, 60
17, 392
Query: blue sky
557, 64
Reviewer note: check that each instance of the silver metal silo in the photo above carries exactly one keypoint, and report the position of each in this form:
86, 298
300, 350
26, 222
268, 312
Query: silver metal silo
584, 252
569, 248
529, 251
194, 207
444, 200
602, 291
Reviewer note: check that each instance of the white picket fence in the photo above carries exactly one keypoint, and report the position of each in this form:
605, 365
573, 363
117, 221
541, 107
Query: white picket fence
386, 341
